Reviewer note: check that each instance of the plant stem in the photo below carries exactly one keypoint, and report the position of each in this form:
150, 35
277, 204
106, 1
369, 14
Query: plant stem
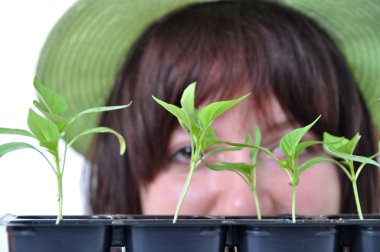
64, 157
60, 198
357, 200
255, 196
257, 203
294, 202
59, 176
184, 190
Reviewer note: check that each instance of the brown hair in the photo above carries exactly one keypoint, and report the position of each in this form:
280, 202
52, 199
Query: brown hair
224, 45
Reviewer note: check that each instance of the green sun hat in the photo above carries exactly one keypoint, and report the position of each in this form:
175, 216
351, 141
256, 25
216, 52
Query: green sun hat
355, 27
87, 46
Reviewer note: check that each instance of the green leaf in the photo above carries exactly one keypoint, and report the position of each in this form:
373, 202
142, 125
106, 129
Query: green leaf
96, 110
41, 107
19, 132
210, 112
208, 139
311, 162
188, 96
44, 130
53, 102
187, 102
351, 146
237, 167
176, 111
196, 131
59, 120
335, 143
341, 144
102, 130
349, 157
8, 147
289, 142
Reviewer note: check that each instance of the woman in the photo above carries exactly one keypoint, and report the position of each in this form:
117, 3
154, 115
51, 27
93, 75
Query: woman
293, 70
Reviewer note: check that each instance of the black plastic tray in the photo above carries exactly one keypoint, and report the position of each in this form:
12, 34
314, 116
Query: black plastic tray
192, 233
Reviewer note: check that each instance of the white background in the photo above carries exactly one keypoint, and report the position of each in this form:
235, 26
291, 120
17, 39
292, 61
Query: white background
27, 183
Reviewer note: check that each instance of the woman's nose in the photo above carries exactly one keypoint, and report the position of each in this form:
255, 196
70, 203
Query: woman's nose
234, 196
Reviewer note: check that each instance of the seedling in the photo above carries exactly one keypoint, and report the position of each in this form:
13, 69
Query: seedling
51, 126
292, 147
343, 149
246, 171
198, 124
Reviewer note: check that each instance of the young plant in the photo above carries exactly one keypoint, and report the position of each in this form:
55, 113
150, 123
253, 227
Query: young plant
49, 126
197, 123
292, 147
246, 171
343, 149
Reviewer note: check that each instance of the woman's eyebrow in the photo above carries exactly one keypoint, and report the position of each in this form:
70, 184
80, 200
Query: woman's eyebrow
278, 125
178, 132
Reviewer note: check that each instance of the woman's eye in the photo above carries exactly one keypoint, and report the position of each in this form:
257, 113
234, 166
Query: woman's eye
277, 152
182, 155
311, 151
275, 149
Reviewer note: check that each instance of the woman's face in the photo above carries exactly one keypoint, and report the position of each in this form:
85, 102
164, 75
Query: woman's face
225, 193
